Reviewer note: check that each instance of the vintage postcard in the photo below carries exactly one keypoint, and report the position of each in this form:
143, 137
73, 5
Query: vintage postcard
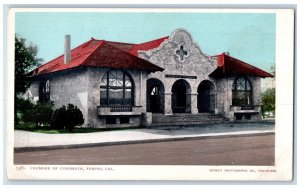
150, 94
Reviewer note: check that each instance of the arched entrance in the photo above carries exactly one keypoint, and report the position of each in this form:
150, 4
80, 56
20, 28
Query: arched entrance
155, 96
181, 100
206, 98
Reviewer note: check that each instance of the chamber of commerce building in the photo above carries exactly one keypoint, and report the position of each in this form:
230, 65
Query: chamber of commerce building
166, 81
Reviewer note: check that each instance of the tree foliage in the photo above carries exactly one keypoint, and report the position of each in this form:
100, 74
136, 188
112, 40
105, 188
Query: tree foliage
25, 60
273, 69
21, 106
268, 101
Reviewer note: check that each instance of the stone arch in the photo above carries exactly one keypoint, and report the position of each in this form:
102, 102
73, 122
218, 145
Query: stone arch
206, 96
155, 96
181, 97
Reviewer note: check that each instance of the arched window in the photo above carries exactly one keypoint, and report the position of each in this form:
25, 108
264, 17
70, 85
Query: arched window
44, 92
116, 89
241, 92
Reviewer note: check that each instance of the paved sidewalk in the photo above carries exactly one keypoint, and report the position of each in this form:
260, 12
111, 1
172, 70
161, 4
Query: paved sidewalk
27, 141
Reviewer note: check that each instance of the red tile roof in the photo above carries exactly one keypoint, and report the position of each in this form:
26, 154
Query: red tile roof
228, 65
102, 53
147, 46
134, 48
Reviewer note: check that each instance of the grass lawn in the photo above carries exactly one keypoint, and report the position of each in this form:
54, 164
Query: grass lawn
49, 130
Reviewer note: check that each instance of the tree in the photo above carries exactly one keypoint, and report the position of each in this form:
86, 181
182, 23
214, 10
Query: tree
25, 60
273, 69
21, 107
268, 101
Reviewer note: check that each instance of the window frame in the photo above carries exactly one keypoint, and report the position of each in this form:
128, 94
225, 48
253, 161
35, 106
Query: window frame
108, 88
44, 91
246, 92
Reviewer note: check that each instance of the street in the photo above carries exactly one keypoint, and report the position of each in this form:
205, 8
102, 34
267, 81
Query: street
237, 150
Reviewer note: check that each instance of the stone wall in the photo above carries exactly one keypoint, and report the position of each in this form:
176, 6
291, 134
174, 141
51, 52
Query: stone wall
81, 87
95, 76
256, 88
224, 94
66, 87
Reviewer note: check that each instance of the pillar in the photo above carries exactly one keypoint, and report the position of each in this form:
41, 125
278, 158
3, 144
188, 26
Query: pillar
168, 104
194, 103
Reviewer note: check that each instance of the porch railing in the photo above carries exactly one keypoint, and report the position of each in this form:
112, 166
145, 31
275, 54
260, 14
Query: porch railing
249, 108
121, 109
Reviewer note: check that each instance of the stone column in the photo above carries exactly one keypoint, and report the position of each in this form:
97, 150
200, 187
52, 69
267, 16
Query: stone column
194, 103
214, 103
168, 104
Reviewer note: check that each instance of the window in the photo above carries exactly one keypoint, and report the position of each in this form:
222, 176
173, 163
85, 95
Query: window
116, 89
44, 92
124, 120
241, 92
181, 53
111, 120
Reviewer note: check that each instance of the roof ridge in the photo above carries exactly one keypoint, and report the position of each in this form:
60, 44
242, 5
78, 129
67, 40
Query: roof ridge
87, 43
133, 55
154, 40
119, 48
119, 42
92, 52
43, 65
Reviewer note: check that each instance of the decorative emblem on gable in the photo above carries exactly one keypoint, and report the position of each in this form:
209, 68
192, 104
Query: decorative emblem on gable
181, 52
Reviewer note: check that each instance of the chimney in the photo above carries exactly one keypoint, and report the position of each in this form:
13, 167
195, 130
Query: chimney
67, 49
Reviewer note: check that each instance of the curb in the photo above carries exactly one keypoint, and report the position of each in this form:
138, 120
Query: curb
101, 144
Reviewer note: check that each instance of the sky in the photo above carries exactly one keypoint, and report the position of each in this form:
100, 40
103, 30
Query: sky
247, 36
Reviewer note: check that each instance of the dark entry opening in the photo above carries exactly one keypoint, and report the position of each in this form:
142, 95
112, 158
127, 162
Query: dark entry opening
124, 120
179, 97
155, 96
205, 97
111, 120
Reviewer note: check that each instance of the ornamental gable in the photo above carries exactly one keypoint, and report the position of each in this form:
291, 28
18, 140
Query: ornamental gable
179, 54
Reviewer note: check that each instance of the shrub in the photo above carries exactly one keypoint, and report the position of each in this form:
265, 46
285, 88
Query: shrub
268, 101
39, 114
67, 117
29, 114
58, 118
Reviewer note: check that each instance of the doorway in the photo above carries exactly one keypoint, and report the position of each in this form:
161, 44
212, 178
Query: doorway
155, 96
181, 97
205, 97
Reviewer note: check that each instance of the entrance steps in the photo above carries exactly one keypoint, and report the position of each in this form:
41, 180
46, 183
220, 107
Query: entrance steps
186, 119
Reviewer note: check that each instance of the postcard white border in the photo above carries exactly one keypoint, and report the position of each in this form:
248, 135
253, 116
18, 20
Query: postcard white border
284, 117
